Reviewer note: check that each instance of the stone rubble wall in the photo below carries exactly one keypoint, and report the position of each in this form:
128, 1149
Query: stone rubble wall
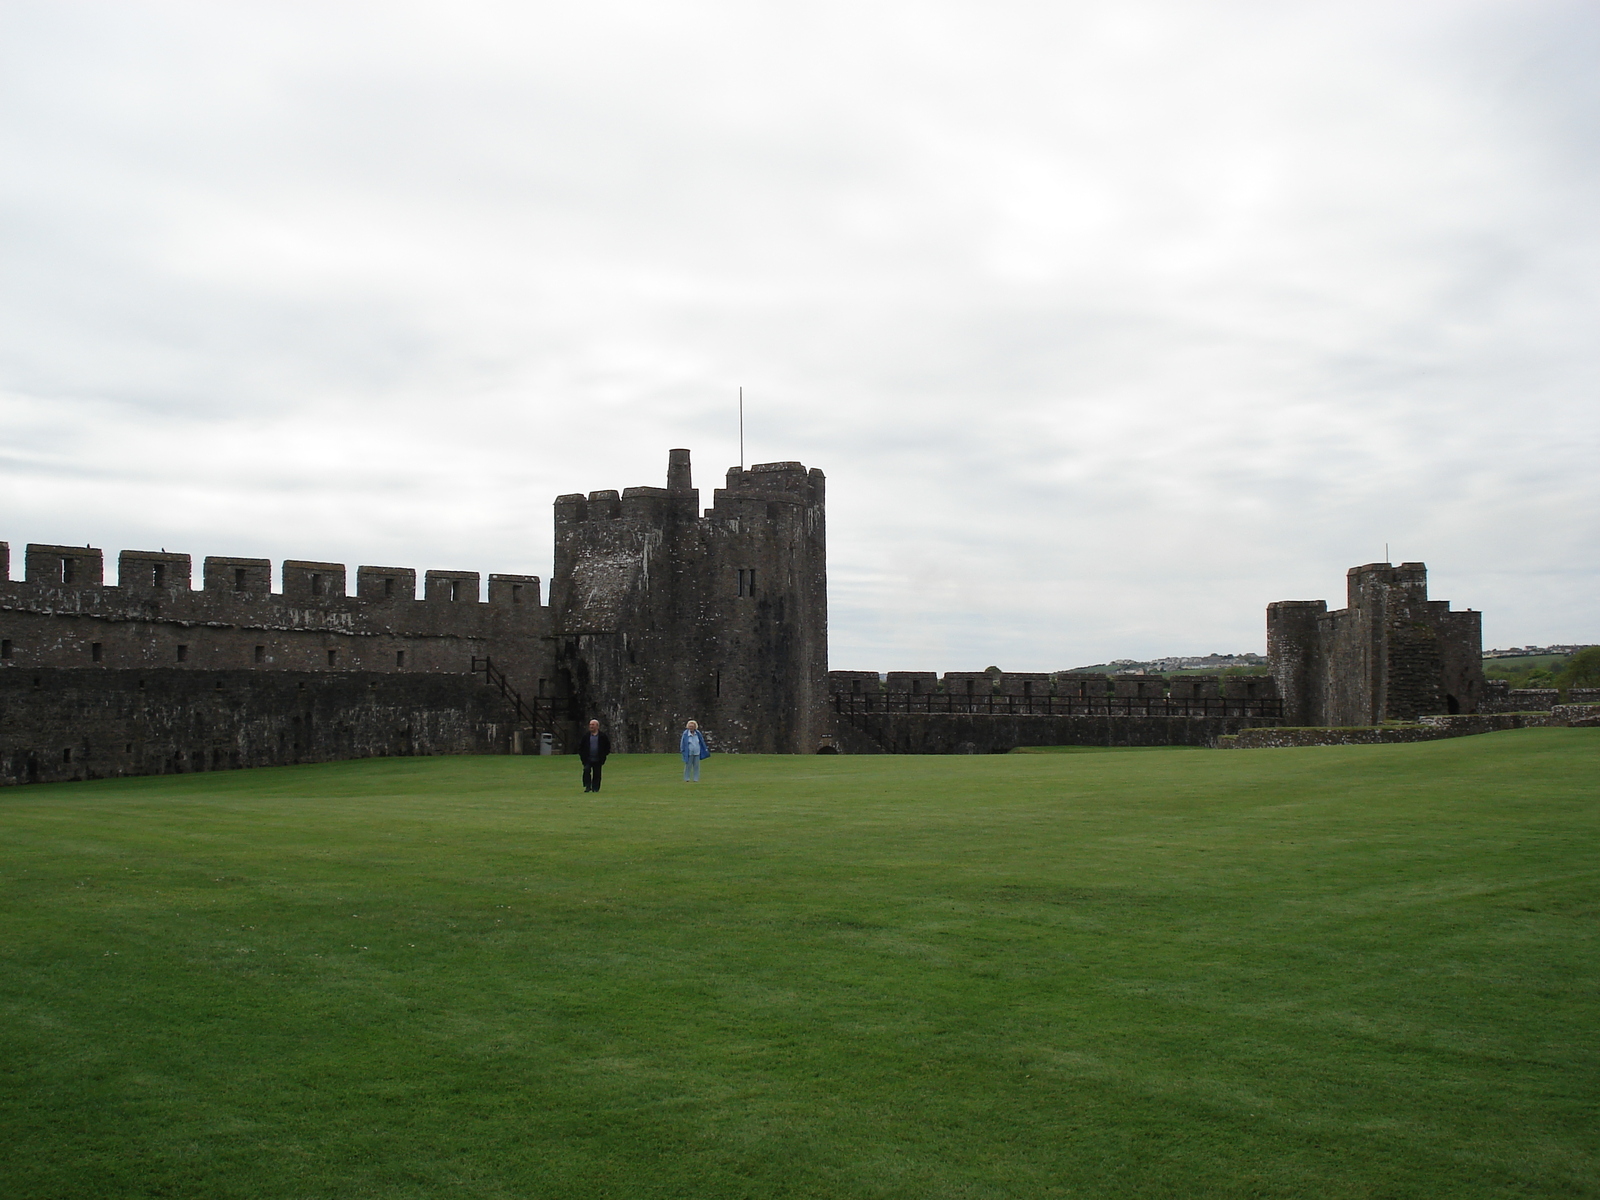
980, 733
61, 724
1428, 729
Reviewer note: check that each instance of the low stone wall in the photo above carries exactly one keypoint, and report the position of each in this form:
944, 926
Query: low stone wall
981, 733
1428, 729
1578, 715
59, 724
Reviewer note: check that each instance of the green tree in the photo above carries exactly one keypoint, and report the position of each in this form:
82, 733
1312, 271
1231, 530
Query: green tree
1582, 669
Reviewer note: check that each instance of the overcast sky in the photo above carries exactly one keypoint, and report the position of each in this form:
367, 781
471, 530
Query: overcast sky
1110, 322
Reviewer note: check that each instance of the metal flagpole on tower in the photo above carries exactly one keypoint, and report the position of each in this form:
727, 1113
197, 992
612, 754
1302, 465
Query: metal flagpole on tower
741, 429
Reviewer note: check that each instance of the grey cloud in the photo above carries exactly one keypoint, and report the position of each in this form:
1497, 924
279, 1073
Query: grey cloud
1110, 323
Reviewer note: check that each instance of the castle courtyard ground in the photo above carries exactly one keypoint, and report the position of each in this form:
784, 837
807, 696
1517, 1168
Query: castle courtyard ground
1323, 972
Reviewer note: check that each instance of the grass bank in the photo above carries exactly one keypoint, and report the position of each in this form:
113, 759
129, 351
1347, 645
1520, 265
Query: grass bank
1329, 972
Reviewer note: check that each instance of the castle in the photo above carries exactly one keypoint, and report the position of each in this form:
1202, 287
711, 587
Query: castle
658, 611
1391, 654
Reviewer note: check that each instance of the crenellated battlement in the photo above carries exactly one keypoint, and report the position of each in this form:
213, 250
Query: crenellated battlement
64, 614
249, 580
764, 489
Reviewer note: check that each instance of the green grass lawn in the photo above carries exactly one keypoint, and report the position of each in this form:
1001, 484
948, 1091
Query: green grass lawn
1329, 972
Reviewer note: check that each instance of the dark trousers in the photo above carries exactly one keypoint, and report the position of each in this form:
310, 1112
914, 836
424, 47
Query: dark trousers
591, 777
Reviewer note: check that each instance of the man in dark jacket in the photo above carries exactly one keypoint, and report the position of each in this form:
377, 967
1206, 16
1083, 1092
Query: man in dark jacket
593, 747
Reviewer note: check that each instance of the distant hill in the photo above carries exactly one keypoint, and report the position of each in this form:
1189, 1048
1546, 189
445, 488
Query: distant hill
1180, 664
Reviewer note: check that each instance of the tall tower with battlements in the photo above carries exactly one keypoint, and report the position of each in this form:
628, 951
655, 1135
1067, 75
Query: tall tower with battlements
664, 613
1390, 654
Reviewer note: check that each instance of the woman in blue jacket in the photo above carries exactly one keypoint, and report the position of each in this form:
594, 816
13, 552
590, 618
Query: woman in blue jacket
692, 745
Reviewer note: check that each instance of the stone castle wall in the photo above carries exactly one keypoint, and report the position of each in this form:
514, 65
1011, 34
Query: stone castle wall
65, 723
985, 712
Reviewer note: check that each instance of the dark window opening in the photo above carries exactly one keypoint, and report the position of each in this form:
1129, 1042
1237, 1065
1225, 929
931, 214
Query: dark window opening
541, 686
219, 685
916, 687
855, 687
158, 574
455, 589
399, 658
261, 654
388, 587
333, 658
95, 651
972, 686
66, 755
316, 585
1452, 705
69, 570
128, 749
183, 654
516, 593
5, 648
1027, 688
747, 582
238, 579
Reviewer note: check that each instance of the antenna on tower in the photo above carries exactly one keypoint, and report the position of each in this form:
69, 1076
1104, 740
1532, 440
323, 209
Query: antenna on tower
741, 429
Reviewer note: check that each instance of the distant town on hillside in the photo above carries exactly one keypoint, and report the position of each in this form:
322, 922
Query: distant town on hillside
1188, 662
1530, 651
1259, 662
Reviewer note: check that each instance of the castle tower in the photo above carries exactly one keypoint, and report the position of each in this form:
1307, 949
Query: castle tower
665, 614
1391, 654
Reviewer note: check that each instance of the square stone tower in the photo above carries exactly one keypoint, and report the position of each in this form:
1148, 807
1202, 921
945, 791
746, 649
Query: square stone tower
664, 613
1391, 654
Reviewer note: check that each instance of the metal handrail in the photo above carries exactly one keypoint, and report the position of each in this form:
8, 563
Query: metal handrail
528, 714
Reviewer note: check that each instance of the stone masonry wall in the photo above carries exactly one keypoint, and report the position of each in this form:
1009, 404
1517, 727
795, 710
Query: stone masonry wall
62, 615
61, 724
979, 733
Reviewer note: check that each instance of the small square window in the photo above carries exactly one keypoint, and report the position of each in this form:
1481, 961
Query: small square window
95, 652
5, 648
388, 588
261, 654
239, 579
158, 574
399, 659
316, 585
333, 658
183, 654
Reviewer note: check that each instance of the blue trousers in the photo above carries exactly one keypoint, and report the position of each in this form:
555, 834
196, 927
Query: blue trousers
691, 768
